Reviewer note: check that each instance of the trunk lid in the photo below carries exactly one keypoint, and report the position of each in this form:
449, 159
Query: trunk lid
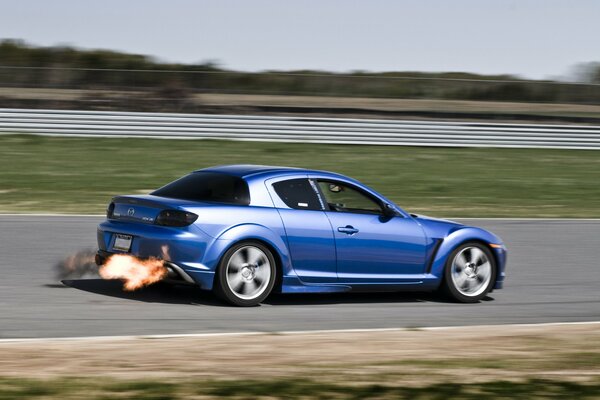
143, 208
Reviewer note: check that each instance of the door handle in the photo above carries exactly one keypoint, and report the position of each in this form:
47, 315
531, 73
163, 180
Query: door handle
348, 229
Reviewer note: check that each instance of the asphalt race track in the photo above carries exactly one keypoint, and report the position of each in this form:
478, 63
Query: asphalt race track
553, 276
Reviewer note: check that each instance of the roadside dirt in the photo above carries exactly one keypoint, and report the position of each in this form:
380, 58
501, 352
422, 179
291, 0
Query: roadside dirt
466, 354
394, 104
313, 106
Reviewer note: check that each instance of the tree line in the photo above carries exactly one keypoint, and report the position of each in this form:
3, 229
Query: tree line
24, 65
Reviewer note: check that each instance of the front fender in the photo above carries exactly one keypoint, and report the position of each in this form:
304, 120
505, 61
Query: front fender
243, 232
467, 234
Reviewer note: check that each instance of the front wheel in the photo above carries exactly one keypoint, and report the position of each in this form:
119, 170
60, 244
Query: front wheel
246, 274
470, 273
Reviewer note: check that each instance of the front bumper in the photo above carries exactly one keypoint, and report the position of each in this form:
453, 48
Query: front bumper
501, 255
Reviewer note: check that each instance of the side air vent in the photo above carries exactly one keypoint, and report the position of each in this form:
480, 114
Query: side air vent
436, 247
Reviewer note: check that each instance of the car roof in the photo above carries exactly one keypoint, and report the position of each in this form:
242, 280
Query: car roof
259, 173
247, 170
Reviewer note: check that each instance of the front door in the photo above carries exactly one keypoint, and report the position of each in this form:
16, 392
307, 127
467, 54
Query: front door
371, 247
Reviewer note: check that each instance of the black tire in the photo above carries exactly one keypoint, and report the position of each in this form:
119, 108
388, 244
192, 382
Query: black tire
257, 267
467, 283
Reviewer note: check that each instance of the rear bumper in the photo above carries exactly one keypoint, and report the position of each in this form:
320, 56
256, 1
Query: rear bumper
183, 249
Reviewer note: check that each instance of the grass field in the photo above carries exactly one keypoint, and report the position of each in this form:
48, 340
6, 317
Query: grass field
80, 175
74, 388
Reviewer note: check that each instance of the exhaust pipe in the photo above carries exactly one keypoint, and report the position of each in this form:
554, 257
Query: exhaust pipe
171, 274
177, 274
99, 259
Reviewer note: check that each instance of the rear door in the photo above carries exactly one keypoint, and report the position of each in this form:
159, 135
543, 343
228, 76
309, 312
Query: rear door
309, 234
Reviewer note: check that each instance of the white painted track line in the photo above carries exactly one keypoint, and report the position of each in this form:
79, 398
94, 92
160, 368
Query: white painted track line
301, 332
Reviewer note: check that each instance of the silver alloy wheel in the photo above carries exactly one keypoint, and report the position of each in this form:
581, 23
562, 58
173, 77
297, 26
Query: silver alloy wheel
248, 272
471, 271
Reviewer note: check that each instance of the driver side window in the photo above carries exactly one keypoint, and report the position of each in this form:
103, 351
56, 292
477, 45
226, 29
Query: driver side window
343, 198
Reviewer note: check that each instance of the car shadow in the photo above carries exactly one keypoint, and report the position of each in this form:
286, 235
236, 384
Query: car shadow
354, 298
191, 295
158, 293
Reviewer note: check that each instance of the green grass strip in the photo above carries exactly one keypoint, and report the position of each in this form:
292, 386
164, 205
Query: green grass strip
80, 175
105, 388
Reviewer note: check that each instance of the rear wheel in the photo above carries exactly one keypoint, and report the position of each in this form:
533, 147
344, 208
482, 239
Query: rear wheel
470, 273
246, 274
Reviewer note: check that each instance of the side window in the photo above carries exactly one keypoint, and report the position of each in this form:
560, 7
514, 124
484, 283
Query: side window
298, 194
344, 198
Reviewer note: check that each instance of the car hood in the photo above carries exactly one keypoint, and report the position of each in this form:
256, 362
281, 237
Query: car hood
437, 227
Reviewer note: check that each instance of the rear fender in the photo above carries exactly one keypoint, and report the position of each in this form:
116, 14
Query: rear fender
243, 232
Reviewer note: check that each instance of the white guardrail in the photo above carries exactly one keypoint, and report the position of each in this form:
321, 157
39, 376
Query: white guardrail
297, 129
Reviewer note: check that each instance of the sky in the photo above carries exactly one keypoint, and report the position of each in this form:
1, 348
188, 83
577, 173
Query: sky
530, 38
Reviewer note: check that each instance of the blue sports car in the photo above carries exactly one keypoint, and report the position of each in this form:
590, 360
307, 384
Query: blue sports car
245, 231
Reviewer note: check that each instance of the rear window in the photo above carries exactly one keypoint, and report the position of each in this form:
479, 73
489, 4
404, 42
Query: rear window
207, 186
298, 194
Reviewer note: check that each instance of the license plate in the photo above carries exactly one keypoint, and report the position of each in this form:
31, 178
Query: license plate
122, 243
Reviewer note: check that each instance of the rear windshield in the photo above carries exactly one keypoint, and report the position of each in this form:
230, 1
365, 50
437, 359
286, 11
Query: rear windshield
207, 186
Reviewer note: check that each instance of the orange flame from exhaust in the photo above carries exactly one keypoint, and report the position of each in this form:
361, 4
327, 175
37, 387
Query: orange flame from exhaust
134, 272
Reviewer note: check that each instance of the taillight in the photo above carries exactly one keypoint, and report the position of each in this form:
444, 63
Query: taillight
175, 218
109, 210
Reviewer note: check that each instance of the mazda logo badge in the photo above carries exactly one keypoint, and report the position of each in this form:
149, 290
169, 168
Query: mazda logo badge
130, 212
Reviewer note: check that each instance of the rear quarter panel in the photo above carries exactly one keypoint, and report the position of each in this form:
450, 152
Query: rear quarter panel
231, 224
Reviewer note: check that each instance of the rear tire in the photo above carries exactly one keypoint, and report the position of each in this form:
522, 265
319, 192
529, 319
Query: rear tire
246, 274
470, 273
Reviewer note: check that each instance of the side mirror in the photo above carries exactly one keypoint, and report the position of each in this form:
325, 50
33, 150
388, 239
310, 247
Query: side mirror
389, 211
